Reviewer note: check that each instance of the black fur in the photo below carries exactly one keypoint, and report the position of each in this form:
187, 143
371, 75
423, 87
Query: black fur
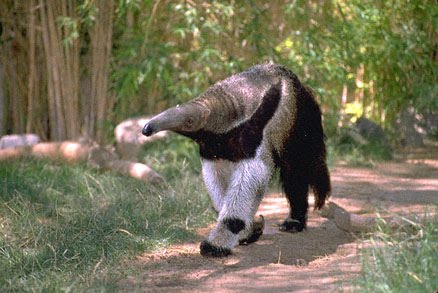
253, 237
242, 141
293, 225
302, 162
209, 250
234, 225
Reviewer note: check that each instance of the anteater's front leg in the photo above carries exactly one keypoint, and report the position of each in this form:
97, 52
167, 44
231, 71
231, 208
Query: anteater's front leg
242, 198
217, 174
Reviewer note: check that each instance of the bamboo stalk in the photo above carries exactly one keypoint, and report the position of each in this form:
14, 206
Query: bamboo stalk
69, 55
55, 56
102, 114
16, 108
32, 68
2, 103
65, 71
50, 91
101, 40
40, 124
75, 75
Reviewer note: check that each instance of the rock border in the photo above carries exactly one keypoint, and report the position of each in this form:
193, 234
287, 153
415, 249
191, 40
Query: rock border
95, 156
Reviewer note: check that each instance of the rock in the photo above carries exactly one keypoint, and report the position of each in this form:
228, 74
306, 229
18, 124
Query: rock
105, 159
345, 220
135, 170
15, 153
100, 157
354, 223
67, 151
351, 222
328, 210
417, 125
18, 140
371, 131
129, 139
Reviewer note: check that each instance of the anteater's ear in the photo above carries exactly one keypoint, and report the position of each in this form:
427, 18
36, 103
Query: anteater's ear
205, 114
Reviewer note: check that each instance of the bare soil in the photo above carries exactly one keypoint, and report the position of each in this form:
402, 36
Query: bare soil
323, 258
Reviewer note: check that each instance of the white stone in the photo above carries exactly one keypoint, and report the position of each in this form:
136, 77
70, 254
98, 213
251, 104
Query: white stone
18, 140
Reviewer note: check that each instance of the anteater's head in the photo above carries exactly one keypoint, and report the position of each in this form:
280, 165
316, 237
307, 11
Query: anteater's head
187, 118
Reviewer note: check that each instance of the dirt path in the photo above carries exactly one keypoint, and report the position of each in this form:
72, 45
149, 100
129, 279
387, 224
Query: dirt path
321, 259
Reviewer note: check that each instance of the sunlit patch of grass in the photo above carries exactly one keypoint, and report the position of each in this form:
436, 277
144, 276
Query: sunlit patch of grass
401, 260
68, 227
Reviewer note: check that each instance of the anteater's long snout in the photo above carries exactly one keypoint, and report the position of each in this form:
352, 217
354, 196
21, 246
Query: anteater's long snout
186, 118
167, 120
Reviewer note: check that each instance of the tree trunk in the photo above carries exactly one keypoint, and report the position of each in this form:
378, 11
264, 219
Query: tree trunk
14, 60
2, 102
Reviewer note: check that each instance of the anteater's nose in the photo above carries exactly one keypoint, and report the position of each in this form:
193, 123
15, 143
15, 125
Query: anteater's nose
147, 130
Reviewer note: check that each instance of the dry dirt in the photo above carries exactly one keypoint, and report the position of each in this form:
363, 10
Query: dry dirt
320, 259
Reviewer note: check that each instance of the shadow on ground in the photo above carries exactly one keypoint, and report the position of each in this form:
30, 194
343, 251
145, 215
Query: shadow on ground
269, 264
320, 259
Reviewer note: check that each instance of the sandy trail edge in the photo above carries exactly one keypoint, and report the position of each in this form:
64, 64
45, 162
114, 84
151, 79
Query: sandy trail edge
321, 259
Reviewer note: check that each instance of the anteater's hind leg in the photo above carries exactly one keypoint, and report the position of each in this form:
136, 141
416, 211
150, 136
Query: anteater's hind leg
296, 186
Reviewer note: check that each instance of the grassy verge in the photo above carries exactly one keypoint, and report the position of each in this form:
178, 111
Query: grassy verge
69, 227
353, 154
404, 260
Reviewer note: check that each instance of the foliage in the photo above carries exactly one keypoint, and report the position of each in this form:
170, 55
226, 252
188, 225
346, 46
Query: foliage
401, 51
379, 56
403, 260
68, 228
370, 49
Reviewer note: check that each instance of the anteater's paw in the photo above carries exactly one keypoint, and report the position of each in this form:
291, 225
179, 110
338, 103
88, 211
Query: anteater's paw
209, 250
256, 232
292, 225
253, 237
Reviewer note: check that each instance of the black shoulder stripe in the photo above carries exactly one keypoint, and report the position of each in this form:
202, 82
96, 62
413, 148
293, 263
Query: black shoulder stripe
266, 110
242, 141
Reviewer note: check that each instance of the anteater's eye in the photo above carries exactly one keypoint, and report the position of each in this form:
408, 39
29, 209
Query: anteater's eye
189, 122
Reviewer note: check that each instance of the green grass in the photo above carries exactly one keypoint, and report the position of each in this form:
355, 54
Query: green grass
401, 260
165, 154
70, 228
345, 150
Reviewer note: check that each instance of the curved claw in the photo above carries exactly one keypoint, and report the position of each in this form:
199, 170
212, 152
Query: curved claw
210, 250
256, 232
292, 226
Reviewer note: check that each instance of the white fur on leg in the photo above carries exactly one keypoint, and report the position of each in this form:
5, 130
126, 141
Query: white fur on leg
216, 174
247, 183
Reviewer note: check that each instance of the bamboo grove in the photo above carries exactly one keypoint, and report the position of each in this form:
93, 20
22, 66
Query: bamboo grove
75, 68
53, 87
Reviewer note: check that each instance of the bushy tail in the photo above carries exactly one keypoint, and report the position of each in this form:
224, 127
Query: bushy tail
320, 184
